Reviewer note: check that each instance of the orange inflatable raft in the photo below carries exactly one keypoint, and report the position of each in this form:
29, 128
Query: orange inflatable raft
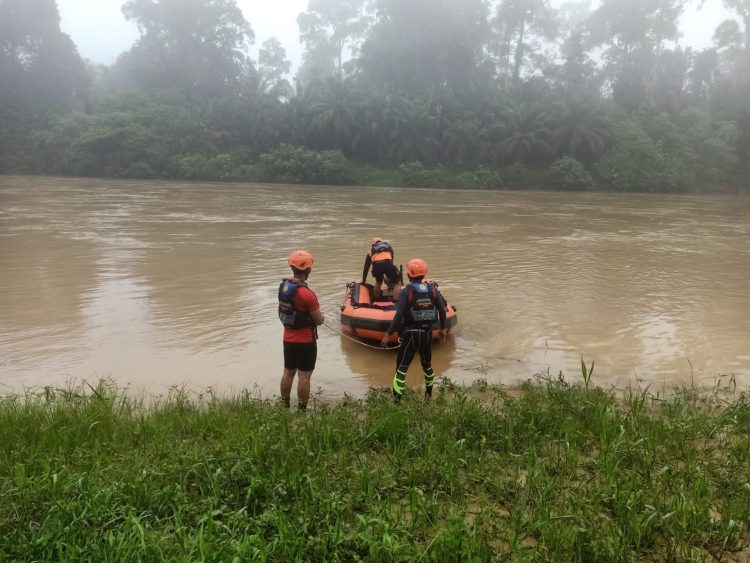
368, 320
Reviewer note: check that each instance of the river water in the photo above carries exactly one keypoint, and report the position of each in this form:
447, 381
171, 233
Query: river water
161, 284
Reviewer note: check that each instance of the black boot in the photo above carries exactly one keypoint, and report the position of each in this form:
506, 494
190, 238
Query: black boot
428, 392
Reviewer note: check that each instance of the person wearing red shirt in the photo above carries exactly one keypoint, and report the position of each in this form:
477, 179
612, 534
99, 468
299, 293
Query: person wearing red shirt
300, 314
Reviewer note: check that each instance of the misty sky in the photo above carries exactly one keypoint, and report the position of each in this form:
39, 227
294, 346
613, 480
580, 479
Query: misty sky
102, 33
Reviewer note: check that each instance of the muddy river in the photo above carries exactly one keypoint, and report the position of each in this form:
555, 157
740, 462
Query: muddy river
161, 284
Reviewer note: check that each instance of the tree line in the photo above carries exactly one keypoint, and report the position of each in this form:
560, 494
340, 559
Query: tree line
465, 93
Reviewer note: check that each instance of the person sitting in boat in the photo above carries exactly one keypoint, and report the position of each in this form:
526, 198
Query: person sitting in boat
420, 305
381, 257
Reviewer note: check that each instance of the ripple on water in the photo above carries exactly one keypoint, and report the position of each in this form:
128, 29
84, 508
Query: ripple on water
158, 283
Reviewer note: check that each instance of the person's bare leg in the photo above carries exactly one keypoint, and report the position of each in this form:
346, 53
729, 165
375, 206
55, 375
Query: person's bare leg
287, 379
303, 388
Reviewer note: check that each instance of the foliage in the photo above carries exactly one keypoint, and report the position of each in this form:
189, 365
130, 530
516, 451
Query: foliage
518, 176
480, 97
525, 134
704, 148
636, 163
483, 178
414, 174
328, 29
198, 167
272, 66
582, 129
416, 44
298, 165
561, 473
522, 26
634, 33
39, 65
41, 73
196, 45
370, 175
107, 144
16, 143
568, 174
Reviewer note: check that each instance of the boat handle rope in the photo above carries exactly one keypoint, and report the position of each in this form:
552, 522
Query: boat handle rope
358, 341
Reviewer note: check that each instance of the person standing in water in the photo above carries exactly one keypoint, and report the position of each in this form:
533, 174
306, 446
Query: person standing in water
381, 257
299, 312
419, 306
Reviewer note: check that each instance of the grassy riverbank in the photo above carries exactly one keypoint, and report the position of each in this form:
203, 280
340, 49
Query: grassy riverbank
560, 472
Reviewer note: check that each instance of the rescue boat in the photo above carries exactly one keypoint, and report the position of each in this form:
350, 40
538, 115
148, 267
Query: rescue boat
369, 320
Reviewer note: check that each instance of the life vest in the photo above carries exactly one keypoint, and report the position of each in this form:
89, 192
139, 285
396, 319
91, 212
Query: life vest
289, 316
421, 297
380, 251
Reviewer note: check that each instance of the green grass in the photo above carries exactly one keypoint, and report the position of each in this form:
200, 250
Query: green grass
562, 472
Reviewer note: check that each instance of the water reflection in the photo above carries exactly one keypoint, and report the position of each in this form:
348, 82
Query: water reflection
197, 276
378, 366
46, 281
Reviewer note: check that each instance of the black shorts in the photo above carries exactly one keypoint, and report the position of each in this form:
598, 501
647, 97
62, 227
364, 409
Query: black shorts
387, 269
300, 355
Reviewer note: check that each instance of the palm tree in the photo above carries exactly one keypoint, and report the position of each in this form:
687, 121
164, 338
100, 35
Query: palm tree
399, 129
582, 130
525, 135
467, 141
414, 132
335, 116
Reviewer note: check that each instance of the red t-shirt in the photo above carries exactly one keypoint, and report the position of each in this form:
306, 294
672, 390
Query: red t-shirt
304, 301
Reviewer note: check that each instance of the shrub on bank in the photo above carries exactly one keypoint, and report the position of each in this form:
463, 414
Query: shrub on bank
518, 176
700, 147
199, 167
567, 173
299, 165
483, 178
416, 175
107, 145
366, 174
637, 163
139, 170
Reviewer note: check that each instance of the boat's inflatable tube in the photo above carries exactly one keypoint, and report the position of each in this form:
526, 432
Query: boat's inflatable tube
368, 320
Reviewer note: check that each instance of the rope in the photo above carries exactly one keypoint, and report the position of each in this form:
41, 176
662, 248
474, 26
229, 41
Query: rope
358, 341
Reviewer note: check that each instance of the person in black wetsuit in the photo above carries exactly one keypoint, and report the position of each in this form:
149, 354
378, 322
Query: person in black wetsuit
381, 257
419, 306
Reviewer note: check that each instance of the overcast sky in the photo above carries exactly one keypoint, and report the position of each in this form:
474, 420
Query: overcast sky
102, 33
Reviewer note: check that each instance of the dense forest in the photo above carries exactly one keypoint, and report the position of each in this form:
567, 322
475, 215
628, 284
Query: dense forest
455, 93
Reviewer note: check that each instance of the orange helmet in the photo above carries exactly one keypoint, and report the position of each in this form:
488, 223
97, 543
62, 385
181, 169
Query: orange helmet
376, 239
301, 259
416, 267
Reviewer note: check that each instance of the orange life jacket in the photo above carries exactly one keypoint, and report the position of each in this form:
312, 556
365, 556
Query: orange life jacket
380, 251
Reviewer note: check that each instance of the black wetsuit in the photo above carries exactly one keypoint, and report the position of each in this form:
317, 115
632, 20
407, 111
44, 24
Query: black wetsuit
415, 337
